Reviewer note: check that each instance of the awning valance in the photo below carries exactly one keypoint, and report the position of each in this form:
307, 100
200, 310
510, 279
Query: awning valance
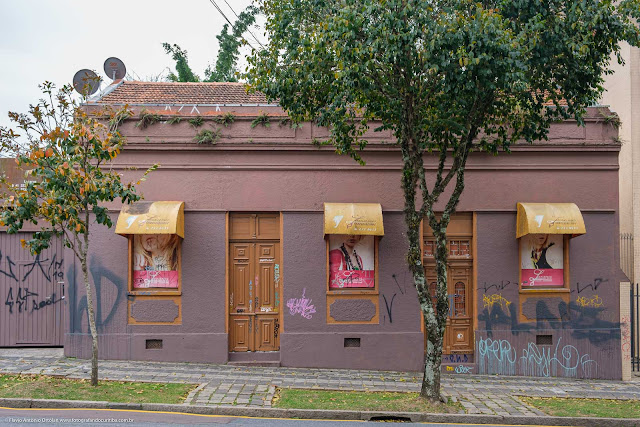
549, 218
151, 218
353, 218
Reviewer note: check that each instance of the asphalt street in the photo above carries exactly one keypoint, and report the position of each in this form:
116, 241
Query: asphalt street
102, 417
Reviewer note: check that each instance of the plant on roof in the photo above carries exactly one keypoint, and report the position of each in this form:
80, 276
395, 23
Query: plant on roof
226, 119
196, 122
147, 118
117, 117
261, 120
207, 136
174, 120
612, 119
446, 77
286, 121
66, 154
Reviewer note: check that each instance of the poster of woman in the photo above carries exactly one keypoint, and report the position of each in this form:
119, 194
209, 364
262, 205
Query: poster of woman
351, 261
542, 260
155, 261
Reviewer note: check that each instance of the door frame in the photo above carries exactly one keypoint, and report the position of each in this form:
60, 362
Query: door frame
227, 276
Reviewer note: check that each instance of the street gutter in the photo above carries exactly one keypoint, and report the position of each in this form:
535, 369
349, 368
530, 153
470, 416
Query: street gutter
322, 414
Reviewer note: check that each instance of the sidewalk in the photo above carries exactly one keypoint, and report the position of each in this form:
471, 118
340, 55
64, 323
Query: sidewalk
254, 387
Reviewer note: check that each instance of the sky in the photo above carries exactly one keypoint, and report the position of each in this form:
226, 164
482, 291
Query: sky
49, 40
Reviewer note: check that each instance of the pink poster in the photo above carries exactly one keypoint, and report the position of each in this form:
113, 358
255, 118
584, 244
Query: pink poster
351, 261
155, 261
542, 260
155, 279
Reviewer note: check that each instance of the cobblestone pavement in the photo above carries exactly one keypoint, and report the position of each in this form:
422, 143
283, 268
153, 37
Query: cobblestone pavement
255, 386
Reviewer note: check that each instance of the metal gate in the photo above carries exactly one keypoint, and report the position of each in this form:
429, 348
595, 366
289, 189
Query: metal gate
635, 327
32, 294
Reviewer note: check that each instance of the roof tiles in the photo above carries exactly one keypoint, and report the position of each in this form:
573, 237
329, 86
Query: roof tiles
134, 92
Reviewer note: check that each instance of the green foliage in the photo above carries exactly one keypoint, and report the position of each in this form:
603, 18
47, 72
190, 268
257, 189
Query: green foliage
65, 153
225, 69
185, 74
447, 77
174, 120
207, 136
226, 119
229, 45
196, 122
261, 120
147, 118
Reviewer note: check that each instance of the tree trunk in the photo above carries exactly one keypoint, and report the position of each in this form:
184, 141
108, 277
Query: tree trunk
92, 323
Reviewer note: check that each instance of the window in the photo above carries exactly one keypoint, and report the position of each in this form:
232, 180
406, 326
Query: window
156, 261
351, 261
542, 260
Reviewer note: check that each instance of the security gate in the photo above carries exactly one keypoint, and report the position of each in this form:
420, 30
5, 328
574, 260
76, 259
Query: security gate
32, 294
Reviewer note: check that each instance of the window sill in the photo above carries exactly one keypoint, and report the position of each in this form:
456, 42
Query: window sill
155, 293
546, 291
353, 291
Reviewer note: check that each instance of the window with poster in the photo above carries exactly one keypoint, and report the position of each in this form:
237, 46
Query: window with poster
352, 261
155, 231
544, 231
352, 231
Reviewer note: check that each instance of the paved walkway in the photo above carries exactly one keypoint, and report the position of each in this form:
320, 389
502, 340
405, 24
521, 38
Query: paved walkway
255, 386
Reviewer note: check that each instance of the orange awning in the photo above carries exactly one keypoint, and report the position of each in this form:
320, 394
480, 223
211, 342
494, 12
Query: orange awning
353, 218
549, 218
151, 218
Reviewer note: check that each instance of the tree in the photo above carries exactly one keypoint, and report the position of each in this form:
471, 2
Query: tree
226, 63
447, 77
66, 153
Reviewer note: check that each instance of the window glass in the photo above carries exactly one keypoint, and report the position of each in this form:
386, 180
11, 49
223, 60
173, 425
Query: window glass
155, 260
351, 261
542, 260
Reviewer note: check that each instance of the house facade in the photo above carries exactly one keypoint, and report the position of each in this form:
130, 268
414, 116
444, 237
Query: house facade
261, 247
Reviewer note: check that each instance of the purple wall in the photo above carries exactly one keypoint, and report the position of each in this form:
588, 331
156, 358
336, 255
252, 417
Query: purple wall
278, 170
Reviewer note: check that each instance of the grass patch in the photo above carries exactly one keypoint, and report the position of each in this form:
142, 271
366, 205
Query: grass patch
586, 407
359, 401
43, 387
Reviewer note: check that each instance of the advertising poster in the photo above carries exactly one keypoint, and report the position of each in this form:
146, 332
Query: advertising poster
155, 260
351, 261
542, 260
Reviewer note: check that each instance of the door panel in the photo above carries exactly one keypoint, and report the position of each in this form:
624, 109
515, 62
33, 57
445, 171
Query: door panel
240, 337
254, 311
266, 333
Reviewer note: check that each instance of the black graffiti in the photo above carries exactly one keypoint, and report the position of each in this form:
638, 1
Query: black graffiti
50, 271
594, 286
389, 306
497, 286
582, 322
21, 298
50, 300
455, 358
10, 273
276, 328
404, 284
102, 278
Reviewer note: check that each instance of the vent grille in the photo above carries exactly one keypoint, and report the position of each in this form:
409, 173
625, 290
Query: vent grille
153, 344
351, 342
544, 340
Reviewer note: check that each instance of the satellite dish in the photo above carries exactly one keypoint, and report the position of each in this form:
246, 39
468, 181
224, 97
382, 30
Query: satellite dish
86, 82
114, 68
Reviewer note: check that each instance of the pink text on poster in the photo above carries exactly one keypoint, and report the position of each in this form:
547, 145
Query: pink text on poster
155, 279
542, 277
352, 279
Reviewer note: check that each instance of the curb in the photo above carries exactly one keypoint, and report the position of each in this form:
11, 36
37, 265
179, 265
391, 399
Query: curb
321, 414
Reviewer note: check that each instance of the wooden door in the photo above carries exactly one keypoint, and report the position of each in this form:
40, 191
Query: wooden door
254, 282
458, 336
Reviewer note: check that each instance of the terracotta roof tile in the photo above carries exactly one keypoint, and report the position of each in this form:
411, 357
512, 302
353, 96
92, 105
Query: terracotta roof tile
134, 92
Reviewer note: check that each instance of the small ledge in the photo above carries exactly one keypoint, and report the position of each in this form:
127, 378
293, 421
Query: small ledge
155, 293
